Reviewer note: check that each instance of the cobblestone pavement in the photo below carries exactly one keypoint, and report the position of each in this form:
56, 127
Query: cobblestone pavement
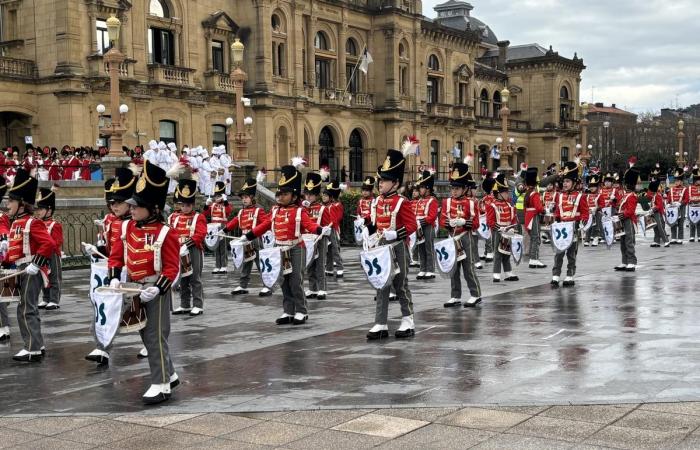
469, 377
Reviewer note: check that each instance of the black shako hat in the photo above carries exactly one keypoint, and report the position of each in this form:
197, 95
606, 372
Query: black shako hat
313, 183
460, 175
290, 180
24, 187
151, 187
46, 199
250, 187
393, 167
186, 191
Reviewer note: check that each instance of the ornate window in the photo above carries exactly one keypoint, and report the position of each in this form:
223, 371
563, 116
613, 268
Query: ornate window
484, 111
404, 74
218, 135
433, 63
355, 144
564, 105
158, 8
168, 131
321, 41
496, 104
217, 56
351, 47
326, 151
354, 76
279, 44
103, 43
325, 64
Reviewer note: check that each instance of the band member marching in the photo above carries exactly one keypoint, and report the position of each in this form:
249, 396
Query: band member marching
334, 261
364, 205
501, 216
150, 253
678, 196
487, 186
394, 220
534, 208
29, 249
218, 212
459, 215
571, 206
426, 215
471, 194
549, 200
45, 207
658, 212
594, 198
628, 216
249, 217
4, 234
321, 214
694, 203
117, 191
191, 228
288, 221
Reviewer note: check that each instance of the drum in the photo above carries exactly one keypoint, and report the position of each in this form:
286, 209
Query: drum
185, 265
649, 221
516, 246
311, 250
420, 236
547, 221
271, 265
618, 227
461, 254
248, 252
380, 265
134, 316
446, 255
286, 263
11, 289
358, 224
504, 245
212, 238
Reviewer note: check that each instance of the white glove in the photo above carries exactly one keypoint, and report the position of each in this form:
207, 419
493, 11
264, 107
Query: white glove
209, 202
101, 242
306, 203
390, 235
223, 197
32, 269
115, 283
98, 222
90, 249
243, 239
4, 246
184, 250
149, 294
326, 231
457, 223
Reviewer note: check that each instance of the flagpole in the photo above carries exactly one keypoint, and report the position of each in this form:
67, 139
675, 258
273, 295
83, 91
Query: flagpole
354, 69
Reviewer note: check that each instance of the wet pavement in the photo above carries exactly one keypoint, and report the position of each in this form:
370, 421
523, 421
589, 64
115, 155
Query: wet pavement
613, 338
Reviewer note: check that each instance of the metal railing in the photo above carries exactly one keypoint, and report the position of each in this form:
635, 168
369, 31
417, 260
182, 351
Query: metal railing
77, 228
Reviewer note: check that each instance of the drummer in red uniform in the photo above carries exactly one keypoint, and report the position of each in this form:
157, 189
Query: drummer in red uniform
501, 216
593, 197
549, 199
678, 196
364, 205
29, 248
321, 214
571, 206
534, 208
191, 228
289, 220
45, 207
656, 199
427, 215
249, 217
627, 208
487, 186
693, 204
334, 260
153, 261
4, 233
459, 215
393, 219
218, 211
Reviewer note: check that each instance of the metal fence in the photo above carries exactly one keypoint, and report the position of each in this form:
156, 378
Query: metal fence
77, 227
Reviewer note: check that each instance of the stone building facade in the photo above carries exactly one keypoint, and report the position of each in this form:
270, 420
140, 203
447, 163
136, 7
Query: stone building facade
439, 79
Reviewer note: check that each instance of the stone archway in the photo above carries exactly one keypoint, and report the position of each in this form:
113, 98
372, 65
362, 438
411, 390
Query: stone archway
14, 127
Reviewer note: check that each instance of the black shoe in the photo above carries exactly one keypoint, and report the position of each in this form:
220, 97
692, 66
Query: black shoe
329, 274
265, 294
569, 283
372, 336
496, 280
160, 398
429, 277
467, 304
174, 384
177, 312
543, 266
52, 307
393, 298
28, 358
321, 297
284, 320
300, 322
199, 312
512, 278
451, 304
488, 259
620, 268
654, 245
239, 292
554, 283
99, 359
405, 334
482, 258
312, 296
420, 277
4, 337
339, 275
630, 269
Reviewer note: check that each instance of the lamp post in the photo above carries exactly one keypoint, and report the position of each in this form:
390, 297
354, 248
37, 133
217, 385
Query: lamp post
239, 77
606, 148
504, 162
114, 58
586, 155
680, 155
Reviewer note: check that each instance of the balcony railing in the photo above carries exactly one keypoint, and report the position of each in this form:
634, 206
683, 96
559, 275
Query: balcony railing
217, 81
463, 112
440, 110
99, 68
18, 68
170, 75
332, 96
491, 122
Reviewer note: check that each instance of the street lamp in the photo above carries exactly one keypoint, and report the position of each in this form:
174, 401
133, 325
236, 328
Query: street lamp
680, 155
586, 156
239, 77
114, 59
504, 162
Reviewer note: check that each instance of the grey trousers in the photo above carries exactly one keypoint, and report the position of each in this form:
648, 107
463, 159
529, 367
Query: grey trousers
426, 250
535, 239
4, 318
191, 290
318, 267
467, 267
221, 254
499, 259
28, 312
333, 253
627, 243
400, 285
293, 299
660, 235
570, 260
488, 246
155, 338
694, 229
594, 230
475, 248
677, 229
53, 292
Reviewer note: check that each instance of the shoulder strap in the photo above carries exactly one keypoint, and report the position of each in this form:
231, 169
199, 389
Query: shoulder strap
297, 229
26, 247
395, 213
193, 225
157, 246
255, 217
320, 214
373, 210
125, 224
449, 206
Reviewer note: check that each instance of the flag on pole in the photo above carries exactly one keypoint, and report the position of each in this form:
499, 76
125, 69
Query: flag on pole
365, 61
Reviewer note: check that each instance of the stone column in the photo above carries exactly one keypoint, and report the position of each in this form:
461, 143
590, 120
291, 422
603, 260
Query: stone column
342, 37
310, 52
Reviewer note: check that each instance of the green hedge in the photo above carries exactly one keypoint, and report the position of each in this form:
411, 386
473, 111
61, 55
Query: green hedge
349, 199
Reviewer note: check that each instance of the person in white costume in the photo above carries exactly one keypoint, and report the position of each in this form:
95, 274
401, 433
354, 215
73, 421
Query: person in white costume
226, 163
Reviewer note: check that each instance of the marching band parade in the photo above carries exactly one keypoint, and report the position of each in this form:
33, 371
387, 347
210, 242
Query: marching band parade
148, 258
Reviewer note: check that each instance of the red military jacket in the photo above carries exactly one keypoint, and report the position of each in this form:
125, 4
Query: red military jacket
549, 198
55, 230
218, 212
459, 208
500, 213
427, 209
693, 194
4, 226
533, 207
628, 205
393, 212
114, 232
607, 197
658, 201
364, 207
485, 201
319, 213
288, 223
593, 199
678, 194
336, 211
189, 232
572, 206
247, 219
41, 245
140, 261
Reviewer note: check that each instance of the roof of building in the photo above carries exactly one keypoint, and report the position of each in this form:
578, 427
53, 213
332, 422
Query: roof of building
515, 52
450, 4
463, 23
613, 109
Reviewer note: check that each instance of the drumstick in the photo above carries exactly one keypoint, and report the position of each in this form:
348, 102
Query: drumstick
13, 275
95, 252
117, 290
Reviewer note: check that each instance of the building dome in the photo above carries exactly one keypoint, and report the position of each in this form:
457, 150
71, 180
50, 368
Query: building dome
457, 14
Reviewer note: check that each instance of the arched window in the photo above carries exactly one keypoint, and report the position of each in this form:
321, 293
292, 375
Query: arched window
158, 8
564, 93
564, 105
283, 144
402, 51
320, 41
276, 23
484, 112
168, 131
326, 151
404, 74
496, 104
433, 63
355, 155
218, 135
351, 47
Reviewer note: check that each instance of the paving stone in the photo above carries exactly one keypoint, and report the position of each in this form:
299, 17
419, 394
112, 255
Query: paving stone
692, 408
50, 426
10, 438
51, 443
324, 418
427, 414
691, 442
262, 415
653, 420
529, 410
634, 438
271, 433
160, 439
336, 440
484, 419
226, 444
438, 436
559, 429
604, 414
7, 421
380, 425
214, 424
515, 441
157, 421
104, 432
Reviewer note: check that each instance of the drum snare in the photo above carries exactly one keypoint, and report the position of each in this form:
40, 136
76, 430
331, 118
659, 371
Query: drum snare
11, 289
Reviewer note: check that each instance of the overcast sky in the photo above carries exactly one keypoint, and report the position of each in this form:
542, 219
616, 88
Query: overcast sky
643, 55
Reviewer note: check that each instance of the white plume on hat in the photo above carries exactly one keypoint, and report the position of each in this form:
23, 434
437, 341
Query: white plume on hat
176, 171
260, 177
468, 159
152, 144
135, 169
325, 173
299, 162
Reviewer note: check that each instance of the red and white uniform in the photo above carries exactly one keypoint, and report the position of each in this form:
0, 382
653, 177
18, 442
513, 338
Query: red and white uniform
500, 213
218, 212
364, 207
41, 245
678, 194
70, 167
288, 223
694, 195
572, 206
190, 232
628, 205
55, 230
393, 212
320, 213
607, 197
459, 208
533, 207
248, 218
657, 201
427, 209
549, 199
336, 211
